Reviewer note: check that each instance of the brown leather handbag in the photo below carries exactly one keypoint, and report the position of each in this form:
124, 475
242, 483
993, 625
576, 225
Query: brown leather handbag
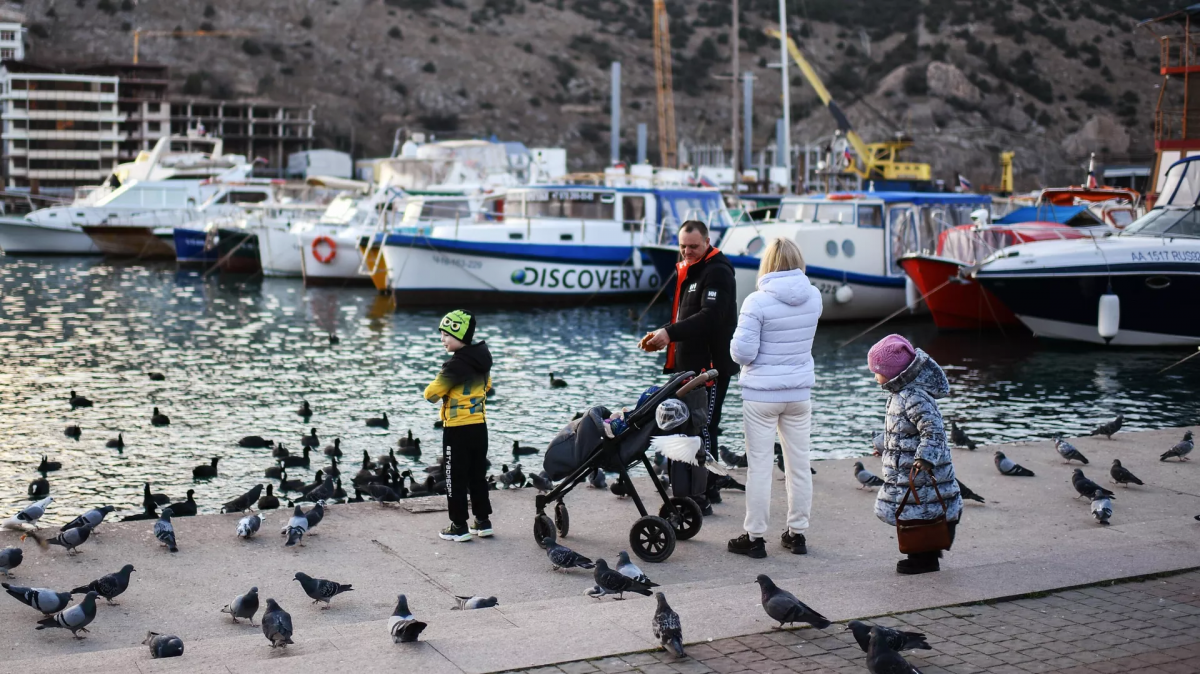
916, 536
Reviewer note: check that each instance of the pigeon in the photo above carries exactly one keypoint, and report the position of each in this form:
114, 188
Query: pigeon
1110, 429
1180, 450
620, 488
269, 501
471, 603
320, 589
960, 439
1068, 451
784, 607
78, 401
109, 586
1121, 475
76, 618
382, 493
512, 478
243, 606
296, 527
1086, 487
882, 659
256, 442
379, 422
1101, 507
71, 538
164, 532
865, 477
91, 518
159, 419
967, 493
315, 516
73, 431
321, 492
521, 450
667, 628
896, 640
403, 627
10, 558
613, 582
562, 557
47, 601
630, 570
31, 513
248, 526
1006, 466
277, 625
163, 645
731, 458
597, 479
541, 481
243, 502
206, 471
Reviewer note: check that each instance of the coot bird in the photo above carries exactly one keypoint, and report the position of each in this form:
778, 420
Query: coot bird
335, 449
117, 442
304, 411
518, 450
556, 383
47, 465
274, 472
160, 419
73, 431
185, 508
39, 488
255, 442
310, 440
78, 401
296, 461
206, 471
269, 501
379, 422
157, 376
413, 450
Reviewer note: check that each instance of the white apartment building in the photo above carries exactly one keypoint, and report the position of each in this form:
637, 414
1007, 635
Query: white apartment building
60, 131
12, 46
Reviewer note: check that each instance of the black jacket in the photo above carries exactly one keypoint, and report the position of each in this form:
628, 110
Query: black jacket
705, 317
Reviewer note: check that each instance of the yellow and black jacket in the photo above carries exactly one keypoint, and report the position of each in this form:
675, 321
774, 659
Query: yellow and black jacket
461, 387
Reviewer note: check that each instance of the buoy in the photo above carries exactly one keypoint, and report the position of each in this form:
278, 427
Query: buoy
637, 258
843, 294
1109, 320
912, 296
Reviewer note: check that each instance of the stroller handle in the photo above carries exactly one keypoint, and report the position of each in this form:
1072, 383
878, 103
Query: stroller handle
698, 380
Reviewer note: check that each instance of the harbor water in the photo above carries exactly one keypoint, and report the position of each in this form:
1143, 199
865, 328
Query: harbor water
239, 356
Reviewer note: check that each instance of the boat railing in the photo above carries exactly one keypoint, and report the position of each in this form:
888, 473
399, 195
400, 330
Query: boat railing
983, 241
368, 264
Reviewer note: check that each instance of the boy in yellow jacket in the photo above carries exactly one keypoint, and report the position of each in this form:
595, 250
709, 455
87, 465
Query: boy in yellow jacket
461, 387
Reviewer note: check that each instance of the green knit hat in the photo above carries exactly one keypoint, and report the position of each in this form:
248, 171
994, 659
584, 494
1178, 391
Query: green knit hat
459, 324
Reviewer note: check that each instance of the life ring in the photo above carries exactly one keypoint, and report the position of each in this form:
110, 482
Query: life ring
316, 249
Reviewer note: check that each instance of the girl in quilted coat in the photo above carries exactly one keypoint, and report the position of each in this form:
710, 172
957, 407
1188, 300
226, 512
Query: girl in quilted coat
914, 436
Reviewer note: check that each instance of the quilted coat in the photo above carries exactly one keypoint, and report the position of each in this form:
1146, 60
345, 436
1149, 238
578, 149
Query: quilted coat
774, 338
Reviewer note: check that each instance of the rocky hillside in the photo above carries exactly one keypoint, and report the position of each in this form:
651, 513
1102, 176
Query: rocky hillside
1051, 80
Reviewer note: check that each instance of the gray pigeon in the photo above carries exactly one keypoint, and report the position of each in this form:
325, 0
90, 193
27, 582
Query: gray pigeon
562, 557
731, 458
382, 493
109, 586
1110, 429
71, 538
32, 513
323, 492
471, 603
314, 516
960, 438
597, 479
243, 606
882, 659
296, 527
630, 570
966, 492
1068, 451
667, 628
76, 618
865, 477
1086, 487
320, 589
248, 525
878, 443
40, 598
163, 645
1121, 475
541, 481
10, 558
92, 518
896, 640
1006, 466
1101, 507
164, 532
277, 625
243, 502
1180, 450
403, 627
784, 607
512, 479
613, 582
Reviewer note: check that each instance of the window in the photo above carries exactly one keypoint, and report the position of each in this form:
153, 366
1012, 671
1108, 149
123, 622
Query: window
566, 203
842, 214
8, 36
154, 126
244, 198
19, 105
633, 212
108, 87
801, 212
870, 216
8, 54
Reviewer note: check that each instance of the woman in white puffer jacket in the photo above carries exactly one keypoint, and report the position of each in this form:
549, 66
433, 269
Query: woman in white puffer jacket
773, 344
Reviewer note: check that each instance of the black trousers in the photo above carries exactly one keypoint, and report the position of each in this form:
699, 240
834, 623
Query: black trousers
689, 480
465, 450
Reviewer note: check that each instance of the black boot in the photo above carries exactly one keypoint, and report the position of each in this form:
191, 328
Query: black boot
705, 506
921, 562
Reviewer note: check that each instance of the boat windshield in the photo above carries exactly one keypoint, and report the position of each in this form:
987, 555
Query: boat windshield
1166, 221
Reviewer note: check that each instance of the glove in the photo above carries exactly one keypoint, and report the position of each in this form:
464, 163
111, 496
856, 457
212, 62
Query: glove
923, 466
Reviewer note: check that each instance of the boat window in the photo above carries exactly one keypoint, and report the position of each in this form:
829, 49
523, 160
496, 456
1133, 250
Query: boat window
245, 198
574, 204
633, 212
870, 216
450, 209
842, 214
904, 234
1120, 217
801, 212
1156, 221
1188, 225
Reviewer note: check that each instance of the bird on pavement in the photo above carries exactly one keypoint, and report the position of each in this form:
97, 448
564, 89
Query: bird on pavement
784, 607
1068, 451
611, 581
541, 481
320, 589
630, 570
30, 514
164, 531
562, 557
1086, 487
243, 606
966, 493
865, 477
1110, 429
471, 603
92, 518
403, 627
1181, 449
248, 525
1101, 507
883, 659
597, 479
245, 501
960, 438
1121, 475
277, 625
1008, 467
76, 618
109, 586
47, 601
10, 558
731, 458
896, 640
296, 527
512, 479
314, 516
163, 645
667, 627
71, 538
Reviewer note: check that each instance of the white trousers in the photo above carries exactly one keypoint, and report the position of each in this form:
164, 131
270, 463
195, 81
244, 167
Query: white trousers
793, 421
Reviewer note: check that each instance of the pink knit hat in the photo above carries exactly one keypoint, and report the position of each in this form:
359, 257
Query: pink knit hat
890, 356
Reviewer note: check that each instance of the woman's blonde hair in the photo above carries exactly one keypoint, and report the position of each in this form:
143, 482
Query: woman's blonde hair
780, 255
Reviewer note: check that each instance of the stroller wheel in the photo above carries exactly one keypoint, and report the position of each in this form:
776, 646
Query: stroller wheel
652, 539
687, 524
543, 527
562, 520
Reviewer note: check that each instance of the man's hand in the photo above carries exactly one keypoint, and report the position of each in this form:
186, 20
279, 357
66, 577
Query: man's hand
655, 341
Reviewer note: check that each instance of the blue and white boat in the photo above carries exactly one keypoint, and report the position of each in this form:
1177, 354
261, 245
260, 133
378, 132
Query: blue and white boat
543, 244
852, 244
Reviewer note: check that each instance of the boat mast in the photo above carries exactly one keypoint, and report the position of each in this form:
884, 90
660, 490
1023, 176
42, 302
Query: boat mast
733, 149
787, 102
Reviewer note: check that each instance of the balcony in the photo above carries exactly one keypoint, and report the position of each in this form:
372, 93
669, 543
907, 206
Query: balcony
44, 95
106, 136
108, 151
62, 174
105, 117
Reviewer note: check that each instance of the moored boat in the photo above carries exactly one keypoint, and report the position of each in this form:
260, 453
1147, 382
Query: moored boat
22, 236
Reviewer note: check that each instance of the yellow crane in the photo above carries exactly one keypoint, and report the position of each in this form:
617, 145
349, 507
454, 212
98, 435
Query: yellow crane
878, 160
139, 34
667, 145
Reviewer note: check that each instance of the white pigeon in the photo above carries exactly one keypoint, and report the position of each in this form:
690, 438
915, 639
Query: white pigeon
29, 516
248, 526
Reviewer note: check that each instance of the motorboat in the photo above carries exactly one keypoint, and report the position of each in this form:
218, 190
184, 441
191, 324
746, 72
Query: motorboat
1135, 288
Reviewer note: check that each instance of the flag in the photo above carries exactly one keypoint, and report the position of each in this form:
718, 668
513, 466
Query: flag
705, 182
1091, 177
847, 157
963, 183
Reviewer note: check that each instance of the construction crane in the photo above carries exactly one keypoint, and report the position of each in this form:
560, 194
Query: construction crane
139, 34
874, 160
667, 145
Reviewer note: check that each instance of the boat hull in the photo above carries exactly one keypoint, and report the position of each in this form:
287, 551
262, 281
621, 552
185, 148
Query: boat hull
279, 251
237, 252
22, 237
191, 248
870, 297
142, 243
961, 304
339, 261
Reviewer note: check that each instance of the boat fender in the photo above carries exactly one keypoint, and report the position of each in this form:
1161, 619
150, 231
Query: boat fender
1109, 320
316, 249
912, 296
843, 294
636, 258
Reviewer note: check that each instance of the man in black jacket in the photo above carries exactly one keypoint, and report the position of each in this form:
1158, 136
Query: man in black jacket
704, 318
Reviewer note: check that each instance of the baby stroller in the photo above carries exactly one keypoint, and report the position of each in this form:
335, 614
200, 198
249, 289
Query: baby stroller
584, 445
